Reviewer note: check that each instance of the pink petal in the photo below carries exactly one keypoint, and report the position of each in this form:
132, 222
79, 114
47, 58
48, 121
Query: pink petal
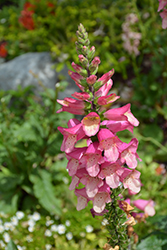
91, 124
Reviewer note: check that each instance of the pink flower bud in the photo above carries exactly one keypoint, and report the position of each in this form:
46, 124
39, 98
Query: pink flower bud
96, 61
91, 79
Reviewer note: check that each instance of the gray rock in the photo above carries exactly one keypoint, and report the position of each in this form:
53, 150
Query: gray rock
33, 69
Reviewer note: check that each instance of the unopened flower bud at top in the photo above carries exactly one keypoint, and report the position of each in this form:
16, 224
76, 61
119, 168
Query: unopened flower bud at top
91, 79
91, 53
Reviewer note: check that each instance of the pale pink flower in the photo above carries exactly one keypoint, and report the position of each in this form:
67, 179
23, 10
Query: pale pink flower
128, 153
111, 173
110, 144
74, 157
92, 185
131, 180
91, 124
82, 198
92, 159
101, 198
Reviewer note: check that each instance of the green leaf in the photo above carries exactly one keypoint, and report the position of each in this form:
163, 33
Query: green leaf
8, 202
153, 242
159, 222
11, 246
44, 191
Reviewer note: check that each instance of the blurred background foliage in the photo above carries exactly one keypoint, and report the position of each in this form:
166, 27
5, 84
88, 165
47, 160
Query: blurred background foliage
128, 37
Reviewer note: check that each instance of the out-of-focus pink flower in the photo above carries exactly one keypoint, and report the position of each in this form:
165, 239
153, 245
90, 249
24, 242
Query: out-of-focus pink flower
145, 205
163, 15
162, 4
26, 19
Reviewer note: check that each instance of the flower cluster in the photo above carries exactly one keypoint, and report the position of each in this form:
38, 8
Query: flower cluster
163, 14
26, 18
3, 50
130, 37
105, 162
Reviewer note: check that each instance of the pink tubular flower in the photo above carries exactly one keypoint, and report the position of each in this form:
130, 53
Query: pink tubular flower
92, 158
145, 205
104, 100
110, 144
74, 157
92, 185
162, 4
163, 15
106, 77
116, 126
103, 91
121, 114
72, 106
82, 198
91, 124
101, 198
71, 135
128, 153
84, 96
111, 173
131, 180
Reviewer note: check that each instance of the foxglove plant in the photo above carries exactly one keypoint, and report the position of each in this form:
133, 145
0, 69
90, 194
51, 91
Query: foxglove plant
106, 165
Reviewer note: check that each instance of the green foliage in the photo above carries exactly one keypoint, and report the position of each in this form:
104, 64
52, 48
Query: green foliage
29, 143
11, 246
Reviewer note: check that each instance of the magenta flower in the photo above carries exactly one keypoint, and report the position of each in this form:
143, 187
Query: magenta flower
84, 96
91, 124
106, 77
103, 91
72, 106
121, 114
